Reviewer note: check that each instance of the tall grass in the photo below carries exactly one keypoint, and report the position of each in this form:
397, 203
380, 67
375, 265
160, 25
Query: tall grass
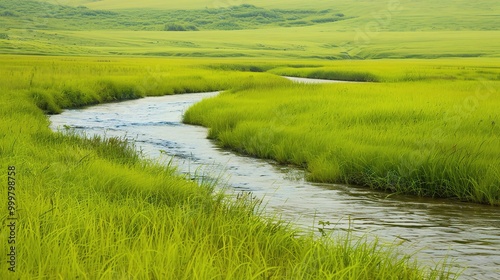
56, 83
430, 137
91, 208
394, 70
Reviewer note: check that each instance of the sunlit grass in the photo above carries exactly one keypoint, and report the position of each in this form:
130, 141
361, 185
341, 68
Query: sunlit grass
91, 208
56, 83
369, 30
435, 134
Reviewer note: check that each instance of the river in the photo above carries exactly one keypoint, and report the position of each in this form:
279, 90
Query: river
468, 234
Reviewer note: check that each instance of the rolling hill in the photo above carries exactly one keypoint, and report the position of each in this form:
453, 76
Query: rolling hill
286, 29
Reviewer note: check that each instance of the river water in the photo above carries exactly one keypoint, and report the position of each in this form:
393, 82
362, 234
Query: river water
469, 234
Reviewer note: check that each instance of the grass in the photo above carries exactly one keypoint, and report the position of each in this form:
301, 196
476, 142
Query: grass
431, 130
92, 208
47, 16
307, 43
56, 83
368, 29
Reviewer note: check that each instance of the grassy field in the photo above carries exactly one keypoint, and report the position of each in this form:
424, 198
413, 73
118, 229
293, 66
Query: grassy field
91, 208
240, 17
429, 130
321, 30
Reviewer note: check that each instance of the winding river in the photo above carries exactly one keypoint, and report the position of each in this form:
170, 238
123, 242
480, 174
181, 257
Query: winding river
468, 234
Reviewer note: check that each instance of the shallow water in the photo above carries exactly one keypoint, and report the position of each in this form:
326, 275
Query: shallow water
466, 233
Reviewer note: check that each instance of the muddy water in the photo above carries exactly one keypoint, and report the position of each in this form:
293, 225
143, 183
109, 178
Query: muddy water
467, 233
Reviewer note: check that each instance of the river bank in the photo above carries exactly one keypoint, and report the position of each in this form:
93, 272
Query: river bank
437, 229
92, 208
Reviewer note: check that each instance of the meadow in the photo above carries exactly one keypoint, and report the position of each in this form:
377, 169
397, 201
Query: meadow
425, 123
252, 29
430, 130
93, 208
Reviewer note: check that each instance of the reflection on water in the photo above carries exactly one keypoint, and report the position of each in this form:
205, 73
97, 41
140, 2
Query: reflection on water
467, 233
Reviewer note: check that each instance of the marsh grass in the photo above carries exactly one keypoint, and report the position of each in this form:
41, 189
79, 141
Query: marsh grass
395, 70
55, 83
92, 208
430, 136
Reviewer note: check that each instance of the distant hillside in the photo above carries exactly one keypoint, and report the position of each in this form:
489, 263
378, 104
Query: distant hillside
406, 15
319, 29
47, 16
192, 4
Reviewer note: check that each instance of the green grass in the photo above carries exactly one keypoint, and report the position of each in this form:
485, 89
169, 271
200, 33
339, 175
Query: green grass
425, 15
454, 13
39, 15
403, 70
306, 42
277, 29
56, 83
91, 208
430, 130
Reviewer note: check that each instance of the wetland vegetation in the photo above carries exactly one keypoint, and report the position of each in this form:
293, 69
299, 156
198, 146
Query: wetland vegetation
91, 207
430, 131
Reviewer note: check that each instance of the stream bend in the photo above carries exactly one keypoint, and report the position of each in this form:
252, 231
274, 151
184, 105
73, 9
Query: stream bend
466, 233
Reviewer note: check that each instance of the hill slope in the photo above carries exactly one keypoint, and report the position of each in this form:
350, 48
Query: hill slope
405, 14
291, 29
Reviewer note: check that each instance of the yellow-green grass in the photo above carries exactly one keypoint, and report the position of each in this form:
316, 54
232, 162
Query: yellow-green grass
66, 82
372, 29
46, 16
456, 12
91, 208
394, 15
281, 43
403, 70
431, 129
